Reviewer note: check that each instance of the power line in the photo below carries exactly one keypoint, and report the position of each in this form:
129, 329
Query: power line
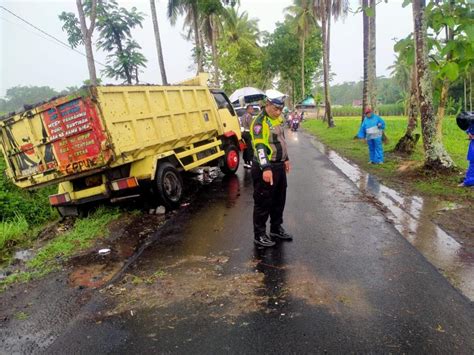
47, 34
30, 31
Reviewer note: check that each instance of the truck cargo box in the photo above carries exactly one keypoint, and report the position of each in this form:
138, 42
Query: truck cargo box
102, 128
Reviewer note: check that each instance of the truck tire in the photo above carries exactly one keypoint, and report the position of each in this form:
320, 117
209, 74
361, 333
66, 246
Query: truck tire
169, 185
231, 160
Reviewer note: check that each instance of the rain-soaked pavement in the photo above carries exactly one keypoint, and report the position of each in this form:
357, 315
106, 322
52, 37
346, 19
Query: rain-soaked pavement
351, 281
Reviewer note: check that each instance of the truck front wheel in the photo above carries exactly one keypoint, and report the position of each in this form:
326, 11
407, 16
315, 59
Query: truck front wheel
231, 160
169, 185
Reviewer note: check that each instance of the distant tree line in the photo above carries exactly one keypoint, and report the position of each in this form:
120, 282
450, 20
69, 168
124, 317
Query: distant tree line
389, 92
18, 96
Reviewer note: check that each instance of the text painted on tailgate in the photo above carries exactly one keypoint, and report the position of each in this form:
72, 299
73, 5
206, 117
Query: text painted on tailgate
76, 134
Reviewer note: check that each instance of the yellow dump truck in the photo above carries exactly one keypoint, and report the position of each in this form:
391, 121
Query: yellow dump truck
117, 142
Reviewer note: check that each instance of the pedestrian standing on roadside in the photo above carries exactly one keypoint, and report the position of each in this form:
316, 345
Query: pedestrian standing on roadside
371, 130
246, 120
469, 179
269, 169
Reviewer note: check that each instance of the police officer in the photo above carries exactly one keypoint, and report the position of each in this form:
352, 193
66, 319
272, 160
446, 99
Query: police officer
269, 169
246, 121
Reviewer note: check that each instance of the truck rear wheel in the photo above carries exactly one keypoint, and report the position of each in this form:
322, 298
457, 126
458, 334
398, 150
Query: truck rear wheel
231, 160
169, 185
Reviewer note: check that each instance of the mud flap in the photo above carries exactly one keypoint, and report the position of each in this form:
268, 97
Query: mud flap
67, 211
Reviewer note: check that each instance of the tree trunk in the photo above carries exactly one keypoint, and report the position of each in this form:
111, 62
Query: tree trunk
470, 90
328, 31
436, 156
159, 50
302, 67
197, 38
365, 89
327, 109
444, 90
87, 36
372, 76
465, 94
407, 144
214, 50
443, 99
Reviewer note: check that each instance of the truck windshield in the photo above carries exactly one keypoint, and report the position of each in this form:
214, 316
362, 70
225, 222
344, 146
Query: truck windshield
223, 102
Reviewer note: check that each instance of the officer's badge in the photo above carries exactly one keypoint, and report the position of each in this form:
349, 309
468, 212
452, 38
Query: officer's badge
257, 129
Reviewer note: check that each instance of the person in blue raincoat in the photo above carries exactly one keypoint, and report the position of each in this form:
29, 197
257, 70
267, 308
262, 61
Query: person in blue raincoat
371, 130
469, 179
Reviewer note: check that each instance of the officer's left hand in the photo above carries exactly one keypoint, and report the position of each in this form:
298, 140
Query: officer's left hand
287, 166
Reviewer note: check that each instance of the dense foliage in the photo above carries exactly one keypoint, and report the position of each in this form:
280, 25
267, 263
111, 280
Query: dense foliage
33, 206
283, 56
115, 25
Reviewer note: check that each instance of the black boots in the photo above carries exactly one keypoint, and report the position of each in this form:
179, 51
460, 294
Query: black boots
280, 233
268, 241
264, 241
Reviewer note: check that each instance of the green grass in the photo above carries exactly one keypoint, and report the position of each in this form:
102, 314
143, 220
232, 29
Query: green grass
23, 214
12, 230
21, 315
82, 236
341, 139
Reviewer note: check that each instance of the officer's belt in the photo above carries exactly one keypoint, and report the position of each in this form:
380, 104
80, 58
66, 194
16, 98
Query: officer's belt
277, 163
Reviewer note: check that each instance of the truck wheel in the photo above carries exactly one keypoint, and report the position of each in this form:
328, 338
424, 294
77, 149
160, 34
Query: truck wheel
231, 160
169, 185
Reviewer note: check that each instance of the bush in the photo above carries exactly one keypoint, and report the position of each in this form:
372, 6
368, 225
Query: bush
12, 229
32, 205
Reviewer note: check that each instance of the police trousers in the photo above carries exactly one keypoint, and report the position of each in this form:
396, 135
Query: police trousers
269, 200
247, 155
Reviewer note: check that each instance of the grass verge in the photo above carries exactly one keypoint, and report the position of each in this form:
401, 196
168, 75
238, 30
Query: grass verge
397, 169
51, 255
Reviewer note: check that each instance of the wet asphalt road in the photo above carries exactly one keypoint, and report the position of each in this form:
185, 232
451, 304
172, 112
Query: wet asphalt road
349, 282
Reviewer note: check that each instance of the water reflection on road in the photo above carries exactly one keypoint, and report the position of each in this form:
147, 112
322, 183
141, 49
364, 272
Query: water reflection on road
411, 217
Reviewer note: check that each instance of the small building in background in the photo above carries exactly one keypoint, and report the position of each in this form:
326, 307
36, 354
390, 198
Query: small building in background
309, 107
357, 103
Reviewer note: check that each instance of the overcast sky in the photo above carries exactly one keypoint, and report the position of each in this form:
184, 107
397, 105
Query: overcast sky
29, 57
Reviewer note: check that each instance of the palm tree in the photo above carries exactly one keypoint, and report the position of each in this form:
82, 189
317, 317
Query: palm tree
365, 24
159, 50
240, 28
372, 75
436, 156
212, 14
190, 9
303, 15
324, 10
369, 96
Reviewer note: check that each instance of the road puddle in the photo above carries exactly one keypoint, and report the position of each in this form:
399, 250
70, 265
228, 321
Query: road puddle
94, 276
411, 216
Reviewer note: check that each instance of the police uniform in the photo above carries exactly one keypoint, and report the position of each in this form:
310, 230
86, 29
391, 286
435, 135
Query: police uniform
248, 152
270, 152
